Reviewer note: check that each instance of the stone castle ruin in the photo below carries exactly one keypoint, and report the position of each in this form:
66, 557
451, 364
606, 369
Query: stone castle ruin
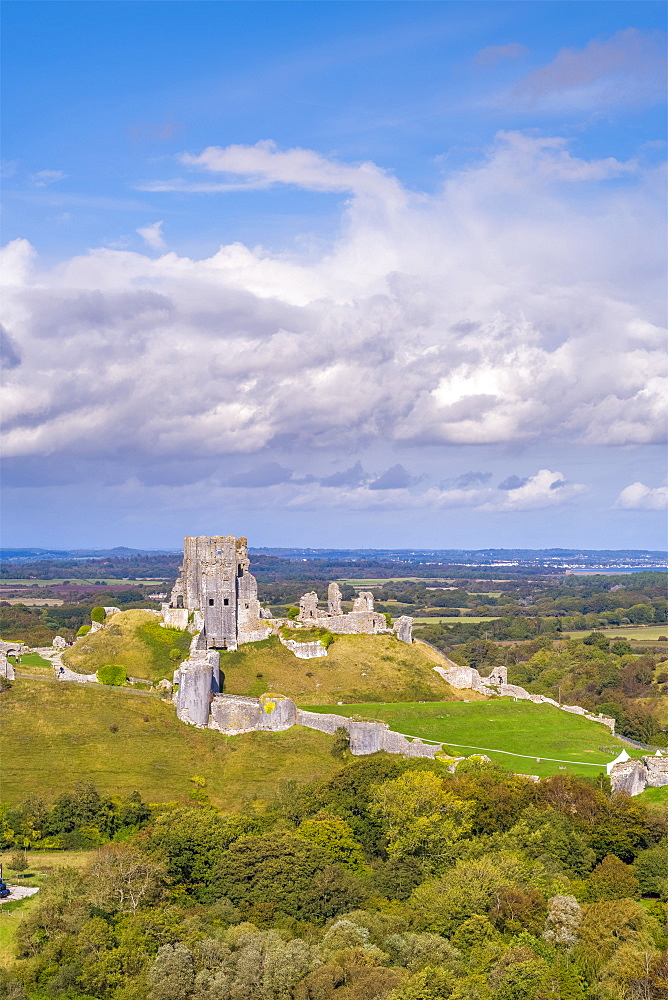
362, 620
217, 594
215, 598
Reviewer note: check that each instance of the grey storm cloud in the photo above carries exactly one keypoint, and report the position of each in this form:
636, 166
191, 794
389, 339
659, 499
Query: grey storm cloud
513, 483
471, 480
9, 355
395, 478
267, 474
474, 321
354, 476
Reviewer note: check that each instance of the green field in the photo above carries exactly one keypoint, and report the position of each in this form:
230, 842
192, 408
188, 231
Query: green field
636, 632
55, 734
655, 799
35, 664
518, 728
450, 620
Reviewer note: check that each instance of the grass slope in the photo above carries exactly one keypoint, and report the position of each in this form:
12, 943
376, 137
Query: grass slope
357, 668
136, 641
54, 734
500, 725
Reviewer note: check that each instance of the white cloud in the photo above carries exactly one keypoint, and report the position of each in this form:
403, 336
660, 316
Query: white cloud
263, 165
152, 235
637, 496
545, 489
502, 309
45, 177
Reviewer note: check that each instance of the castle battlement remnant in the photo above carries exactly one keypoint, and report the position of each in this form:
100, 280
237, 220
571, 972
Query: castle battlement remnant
217, 591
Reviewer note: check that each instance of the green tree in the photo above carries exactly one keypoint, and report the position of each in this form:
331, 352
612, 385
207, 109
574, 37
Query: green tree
18, 862
112, 674
341, 743
172, 975
421, 817
651, 870
296, 877
97, 615
612, 879
334, 835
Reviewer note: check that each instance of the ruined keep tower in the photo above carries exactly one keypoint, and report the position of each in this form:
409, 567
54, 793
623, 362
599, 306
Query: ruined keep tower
215, 581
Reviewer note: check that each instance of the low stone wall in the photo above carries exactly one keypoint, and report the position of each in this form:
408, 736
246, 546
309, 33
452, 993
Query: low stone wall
175, 617
6, 668
234, 714
367, 737
468, 678
304, 650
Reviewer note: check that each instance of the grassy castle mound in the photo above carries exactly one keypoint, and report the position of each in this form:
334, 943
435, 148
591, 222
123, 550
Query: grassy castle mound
358, 668
134, 640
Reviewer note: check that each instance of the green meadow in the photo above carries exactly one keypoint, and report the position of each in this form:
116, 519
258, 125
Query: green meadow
54, 734
511, 733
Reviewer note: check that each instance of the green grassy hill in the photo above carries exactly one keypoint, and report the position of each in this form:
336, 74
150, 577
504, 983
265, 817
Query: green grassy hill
135, 640
512, 733
55, 734
356, 668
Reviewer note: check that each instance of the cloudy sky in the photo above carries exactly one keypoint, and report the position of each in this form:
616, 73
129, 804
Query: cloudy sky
354, 274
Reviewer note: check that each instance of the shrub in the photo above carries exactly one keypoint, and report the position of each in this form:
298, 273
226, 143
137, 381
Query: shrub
292, 612
175, 654
97, 615
84, 630
112, 674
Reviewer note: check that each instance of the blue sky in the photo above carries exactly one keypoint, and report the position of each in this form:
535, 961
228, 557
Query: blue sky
335, 273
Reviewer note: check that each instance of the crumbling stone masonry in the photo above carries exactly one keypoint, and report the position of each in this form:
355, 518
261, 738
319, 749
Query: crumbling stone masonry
362, 620
215, 583
634, 775
235, 714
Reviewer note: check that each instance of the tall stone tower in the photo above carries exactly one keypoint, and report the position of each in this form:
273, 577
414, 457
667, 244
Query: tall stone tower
215, 581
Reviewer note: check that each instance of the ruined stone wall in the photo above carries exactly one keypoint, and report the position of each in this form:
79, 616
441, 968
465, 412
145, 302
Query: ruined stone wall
363, 602
6, 668
334, 599
635, 775
366, 737
304, 650
235, 714
308, 607
403, 629
198, 679
355, 623
175, 617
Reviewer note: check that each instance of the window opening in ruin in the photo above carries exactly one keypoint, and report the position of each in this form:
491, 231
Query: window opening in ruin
179, 601
240, 571
247, 605
226, 601
211, 602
